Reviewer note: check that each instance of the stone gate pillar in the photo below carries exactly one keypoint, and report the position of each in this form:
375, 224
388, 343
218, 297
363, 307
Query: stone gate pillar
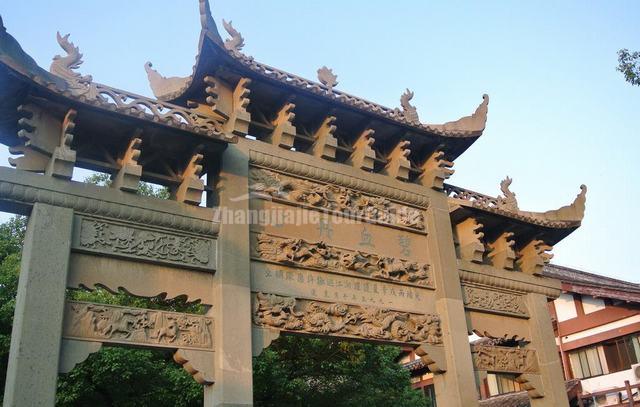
232, 307
544, 341
37, 321
456, 387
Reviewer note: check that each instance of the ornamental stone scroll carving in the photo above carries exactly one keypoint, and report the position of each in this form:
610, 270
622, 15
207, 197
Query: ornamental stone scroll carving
504, 359
338, 319
137, 326
494, 301
320, 256
146, 244
341, 200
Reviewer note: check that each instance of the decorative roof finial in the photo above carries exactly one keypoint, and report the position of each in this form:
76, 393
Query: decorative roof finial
410, 112
507, 202
236, 42
63, 66
327, 78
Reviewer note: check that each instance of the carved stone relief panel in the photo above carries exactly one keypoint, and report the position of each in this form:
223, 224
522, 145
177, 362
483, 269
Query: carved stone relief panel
333, 198
321, 256
137, 326
484, 299
340, 319
504, 359
133, 241
314, 284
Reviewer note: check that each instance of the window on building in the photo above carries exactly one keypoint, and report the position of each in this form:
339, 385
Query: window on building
500, 383
585, 362
621, 353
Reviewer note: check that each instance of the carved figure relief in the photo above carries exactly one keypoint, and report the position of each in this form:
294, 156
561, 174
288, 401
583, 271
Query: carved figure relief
321, 256
110, 323
408, 110
63, 66
117, 239
335, 198
315, 317
504, 359
483, 299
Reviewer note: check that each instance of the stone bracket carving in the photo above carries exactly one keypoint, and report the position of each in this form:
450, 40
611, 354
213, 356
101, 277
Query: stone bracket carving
284, 132
321, 256
532, 383
533, 257
483, 299
501, 251
435, 170
470, 242
105, 323
109, 238
128, 176
363, 155
46, 144
343, 320
433, 357
335, 199
325, 144
261, 338
240, 117
199, 364
63, 158
398, 165
191, 187
297, 166
73, 352
503, 359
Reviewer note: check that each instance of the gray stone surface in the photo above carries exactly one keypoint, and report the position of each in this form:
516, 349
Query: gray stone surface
37, 328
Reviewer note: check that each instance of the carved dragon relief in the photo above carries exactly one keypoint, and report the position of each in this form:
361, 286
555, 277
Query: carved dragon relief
64, 66
336, 319
265, 183
409, 111
324, 257
504, 359
110, 238
495, 301
137, 326
236, 42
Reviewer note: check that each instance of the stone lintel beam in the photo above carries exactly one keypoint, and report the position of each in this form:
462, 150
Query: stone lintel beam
128, 176
191, 186
363, 155
239, 118
398, 164
435, 170
325, 143
284, 132
501, 253
469, 240
534, 256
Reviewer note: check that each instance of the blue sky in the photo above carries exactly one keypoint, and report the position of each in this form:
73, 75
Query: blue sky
560, 115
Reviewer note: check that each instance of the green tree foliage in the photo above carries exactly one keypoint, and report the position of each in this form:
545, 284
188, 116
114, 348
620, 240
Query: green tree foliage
302, 371
294, 371
629, 65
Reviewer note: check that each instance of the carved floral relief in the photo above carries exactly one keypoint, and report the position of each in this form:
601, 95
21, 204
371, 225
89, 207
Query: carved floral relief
314, 317
504, 359
335, 198
154, 245
493, 301
321, 256
109, 323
